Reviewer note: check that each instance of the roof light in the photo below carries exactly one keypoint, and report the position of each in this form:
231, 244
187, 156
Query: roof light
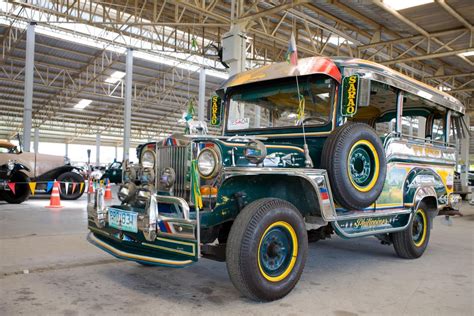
444, 88
82, 104
115, 77
334, 40
405, 4
467, 54
425, 95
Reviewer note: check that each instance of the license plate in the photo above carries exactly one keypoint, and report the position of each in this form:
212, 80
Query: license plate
123, 220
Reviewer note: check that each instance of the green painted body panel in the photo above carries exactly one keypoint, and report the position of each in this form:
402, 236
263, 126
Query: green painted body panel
289, 188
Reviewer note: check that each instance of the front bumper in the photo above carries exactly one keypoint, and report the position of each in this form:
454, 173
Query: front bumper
159, 240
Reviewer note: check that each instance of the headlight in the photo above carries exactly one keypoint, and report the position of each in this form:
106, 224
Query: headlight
208, 163
11, 165
148, 159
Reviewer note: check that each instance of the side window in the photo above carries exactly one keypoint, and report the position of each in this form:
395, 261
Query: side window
381, 112
422, 118
456, 131
437, 132
383, 128
413, 125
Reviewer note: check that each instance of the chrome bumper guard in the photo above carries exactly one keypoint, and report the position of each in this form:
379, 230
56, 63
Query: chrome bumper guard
177, 233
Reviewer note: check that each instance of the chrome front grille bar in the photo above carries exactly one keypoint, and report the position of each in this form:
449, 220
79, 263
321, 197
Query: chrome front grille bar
175, 157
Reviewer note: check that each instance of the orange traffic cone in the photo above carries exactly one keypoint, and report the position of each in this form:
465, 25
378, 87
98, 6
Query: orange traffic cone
108, 191
90, 190
55, 201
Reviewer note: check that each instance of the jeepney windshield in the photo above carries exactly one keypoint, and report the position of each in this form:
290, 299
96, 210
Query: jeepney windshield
276, 104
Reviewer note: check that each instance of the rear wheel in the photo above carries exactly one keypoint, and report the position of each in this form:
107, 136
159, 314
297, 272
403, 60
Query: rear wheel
266, 249
22, 189
71, 177
412, 242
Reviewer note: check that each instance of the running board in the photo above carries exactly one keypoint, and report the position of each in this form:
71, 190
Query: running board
372, 223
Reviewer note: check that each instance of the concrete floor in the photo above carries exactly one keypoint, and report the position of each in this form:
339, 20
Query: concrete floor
48, 268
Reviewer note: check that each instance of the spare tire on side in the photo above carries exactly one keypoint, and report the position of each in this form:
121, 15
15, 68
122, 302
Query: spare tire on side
354, 158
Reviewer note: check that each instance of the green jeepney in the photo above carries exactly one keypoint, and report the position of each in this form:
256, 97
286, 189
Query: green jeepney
342, 146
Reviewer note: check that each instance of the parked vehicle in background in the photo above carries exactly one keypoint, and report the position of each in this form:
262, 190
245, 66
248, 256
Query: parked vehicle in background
22, 167
339, 145
113, 172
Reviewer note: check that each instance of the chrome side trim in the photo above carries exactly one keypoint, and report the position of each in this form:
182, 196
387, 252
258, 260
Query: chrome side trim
422, 192
369, 233
397, 148
363, 214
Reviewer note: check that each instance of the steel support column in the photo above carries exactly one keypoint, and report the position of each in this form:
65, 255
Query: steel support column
127, 110
36, 142
202, 94
465, 156
28, 91
66, 147
97, 150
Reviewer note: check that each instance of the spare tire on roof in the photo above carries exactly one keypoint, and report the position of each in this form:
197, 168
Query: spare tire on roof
354, 158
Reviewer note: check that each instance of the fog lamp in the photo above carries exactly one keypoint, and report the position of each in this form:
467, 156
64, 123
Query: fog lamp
167, 178
454, 200
127, 192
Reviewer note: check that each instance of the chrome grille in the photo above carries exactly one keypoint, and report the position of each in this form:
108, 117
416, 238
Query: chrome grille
175, 157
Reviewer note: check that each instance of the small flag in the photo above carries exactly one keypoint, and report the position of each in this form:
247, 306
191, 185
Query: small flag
50, 186
11, 185
32, 187
66, 185
194, 43
81, 187
74, 187
292, 53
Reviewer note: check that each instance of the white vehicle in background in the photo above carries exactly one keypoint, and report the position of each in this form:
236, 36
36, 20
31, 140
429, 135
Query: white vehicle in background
21, 168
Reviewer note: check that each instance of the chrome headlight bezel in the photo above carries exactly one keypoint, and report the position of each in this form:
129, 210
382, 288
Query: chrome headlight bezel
208, 163
148, 159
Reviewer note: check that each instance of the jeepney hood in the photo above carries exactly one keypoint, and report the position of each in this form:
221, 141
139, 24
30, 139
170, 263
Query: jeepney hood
278, 154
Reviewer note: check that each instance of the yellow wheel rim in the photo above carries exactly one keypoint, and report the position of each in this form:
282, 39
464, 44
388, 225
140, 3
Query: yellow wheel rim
420, 226
368, 148
282, 237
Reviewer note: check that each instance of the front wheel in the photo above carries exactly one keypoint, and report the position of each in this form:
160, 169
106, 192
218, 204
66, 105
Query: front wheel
412, 242
266, 249
22, 189
71, 177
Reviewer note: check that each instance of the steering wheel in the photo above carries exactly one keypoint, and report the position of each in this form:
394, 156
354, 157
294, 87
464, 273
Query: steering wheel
313, 118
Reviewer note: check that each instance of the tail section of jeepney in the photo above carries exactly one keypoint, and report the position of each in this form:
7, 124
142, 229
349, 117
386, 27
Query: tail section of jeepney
416, 171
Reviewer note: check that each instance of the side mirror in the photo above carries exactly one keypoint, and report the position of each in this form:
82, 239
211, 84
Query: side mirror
214, 111
355, 92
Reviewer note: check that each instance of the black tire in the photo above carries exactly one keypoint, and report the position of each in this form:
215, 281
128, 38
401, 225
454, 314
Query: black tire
463, 196
412, 242
255, 229
354, 158
22, 189
71, 177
